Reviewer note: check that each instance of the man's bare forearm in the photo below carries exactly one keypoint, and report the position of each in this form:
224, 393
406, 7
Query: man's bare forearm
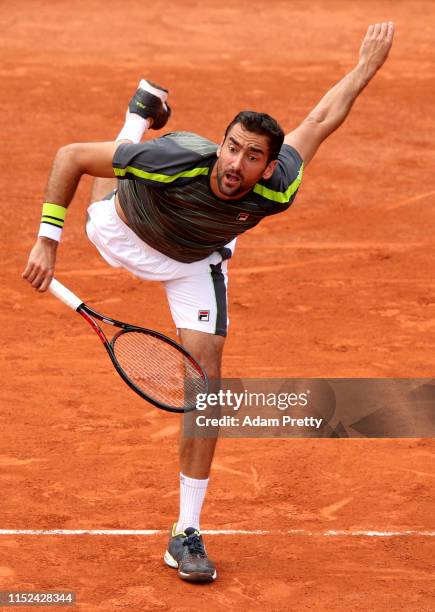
336, 104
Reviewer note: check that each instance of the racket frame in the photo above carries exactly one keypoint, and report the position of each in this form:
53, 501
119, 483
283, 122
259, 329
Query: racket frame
90, 315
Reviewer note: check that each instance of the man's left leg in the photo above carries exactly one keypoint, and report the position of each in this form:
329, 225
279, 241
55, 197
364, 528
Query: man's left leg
198, 302
196, 454
186, 550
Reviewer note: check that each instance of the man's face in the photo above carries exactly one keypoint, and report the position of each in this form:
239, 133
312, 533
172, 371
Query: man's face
242, 162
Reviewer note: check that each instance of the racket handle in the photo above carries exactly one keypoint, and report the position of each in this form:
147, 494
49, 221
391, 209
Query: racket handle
64, 295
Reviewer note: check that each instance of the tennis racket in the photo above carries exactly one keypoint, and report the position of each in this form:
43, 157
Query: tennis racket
154, 366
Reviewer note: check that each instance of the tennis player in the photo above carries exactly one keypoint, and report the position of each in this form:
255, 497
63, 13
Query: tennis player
170, 209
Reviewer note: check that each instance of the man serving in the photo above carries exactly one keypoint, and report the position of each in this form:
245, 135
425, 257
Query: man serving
170, 209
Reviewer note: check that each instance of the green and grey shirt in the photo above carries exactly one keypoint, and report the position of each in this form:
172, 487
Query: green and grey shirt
165, 194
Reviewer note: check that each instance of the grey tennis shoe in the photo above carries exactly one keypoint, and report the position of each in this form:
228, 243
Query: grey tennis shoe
186, 551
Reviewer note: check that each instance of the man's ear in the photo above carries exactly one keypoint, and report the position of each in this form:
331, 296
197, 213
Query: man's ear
219, 149
270, 169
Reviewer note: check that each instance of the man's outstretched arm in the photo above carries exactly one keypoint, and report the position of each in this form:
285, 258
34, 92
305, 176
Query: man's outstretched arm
335, 105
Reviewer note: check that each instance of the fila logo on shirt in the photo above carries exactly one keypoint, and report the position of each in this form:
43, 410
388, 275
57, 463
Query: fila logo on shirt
242, 216
203, 315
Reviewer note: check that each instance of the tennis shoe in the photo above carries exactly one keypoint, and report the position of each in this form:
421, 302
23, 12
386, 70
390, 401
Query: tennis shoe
186, 551
150, 100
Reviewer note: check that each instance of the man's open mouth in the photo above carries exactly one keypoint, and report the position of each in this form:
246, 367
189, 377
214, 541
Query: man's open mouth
231, 178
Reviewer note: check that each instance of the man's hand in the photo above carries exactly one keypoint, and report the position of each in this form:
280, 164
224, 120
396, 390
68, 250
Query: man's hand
376, 46
40, 266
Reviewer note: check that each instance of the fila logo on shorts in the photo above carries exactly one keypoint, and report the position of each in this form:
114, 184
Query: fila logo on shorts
243, 216
203, 315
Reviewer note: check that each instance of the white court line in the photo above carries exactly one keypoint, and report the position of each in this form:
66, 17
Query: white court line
151, 532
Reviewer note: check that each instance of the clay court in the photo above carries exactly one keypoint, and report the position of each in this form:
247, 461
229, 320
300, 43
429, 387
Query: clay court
341, 285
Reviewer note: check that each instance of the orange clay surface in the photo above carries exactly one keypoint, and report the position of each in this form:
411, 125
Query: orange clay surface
341, 285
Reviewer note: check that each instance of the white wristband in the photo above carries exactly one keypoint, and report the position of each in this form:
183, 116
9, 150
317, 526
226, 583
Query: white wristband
50, 231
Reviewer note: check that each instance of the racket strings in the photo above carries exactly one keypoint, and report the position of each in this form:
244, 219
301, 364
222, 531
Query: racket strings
159, 369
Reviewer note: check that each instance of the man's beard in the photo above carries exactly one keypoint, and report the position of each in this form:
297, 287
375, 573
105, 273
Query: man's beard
227, 190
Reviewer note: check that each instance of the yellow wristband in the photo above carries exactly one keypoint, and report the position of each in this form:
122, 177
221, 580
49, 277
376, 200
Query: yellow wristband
53, 218
53, 214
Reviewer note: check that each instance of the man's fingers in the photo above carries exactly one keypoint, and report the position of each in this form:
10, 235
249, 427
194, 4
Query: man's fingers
27, 270
384, 30
45, 283
38, 280
369, 31
42, 280
376, 30
38, 277
390, 31
32, 274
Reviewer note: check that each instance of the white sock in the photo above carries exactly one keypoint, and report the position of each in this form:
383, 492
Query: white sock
134, 128
192, 493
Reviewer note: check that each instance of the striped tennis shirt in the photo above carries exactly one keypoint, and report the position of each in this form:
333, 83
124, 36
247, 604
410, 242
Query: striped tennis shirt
164, 192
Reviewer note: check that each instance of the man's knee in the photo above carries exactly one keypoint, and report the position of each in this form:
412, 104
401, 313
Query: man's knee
206, 348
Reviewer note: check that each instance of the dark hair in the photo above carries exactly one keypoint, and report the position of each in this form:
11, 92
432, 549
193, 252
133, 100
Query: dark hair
264, 124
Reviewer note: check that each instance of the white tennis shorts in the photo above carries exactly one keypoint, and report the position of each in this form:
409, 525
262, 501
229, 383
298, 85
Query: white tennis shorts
196, 292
